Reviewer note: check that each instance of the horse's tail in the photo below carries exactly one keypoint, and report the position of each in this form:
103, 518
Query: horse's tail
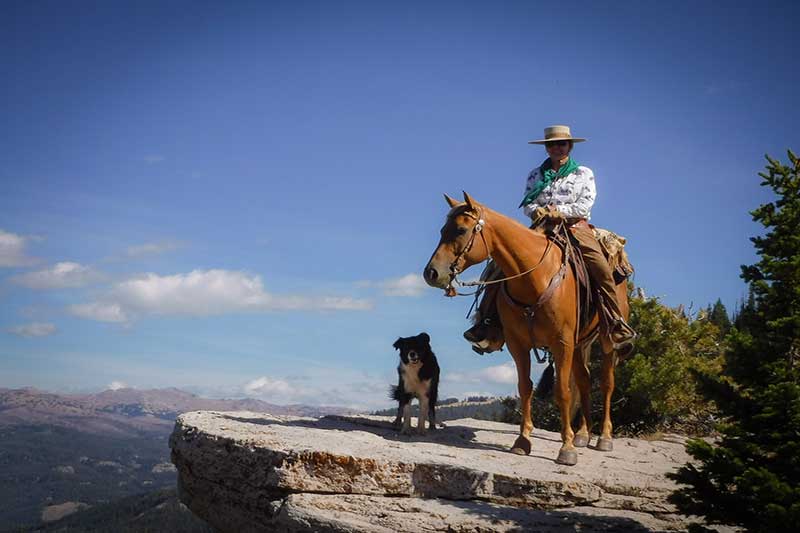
545, 388
546, 382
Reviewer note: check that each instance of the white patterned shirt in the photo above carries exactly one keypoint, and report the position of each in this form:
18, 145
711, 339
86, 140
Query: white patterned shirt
573, 194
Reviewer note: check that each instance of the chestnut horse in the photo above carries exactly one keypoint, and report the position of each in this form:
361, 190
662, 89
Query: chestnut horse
474, 232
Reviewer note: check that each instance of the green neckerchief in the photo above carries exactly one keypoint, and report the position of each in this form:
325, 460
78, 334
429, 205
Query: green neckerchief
549, 176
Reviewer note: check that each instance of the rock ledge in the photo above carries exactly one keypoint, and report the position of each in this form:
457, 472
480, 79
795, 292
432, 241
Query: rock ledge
243, 471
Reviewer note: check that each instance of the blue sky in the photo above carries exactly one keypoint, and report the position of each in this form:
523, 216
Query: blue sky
237, 198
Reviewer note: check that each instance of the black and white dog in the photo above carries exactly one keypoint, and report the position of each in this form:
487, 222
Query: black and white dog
418, 374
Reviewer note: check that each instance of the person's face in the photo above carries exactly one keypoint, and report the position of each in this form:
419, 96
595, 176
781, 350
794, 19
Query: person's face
558, 150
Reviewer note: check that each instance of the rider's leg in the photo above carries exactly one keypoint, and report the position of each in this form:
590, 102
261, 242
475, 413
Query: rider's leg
621, 334
486, 335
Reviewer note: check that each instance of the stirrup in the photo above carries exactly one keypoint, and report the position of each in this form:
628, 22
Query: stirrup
624, 350
623, 347
619, 325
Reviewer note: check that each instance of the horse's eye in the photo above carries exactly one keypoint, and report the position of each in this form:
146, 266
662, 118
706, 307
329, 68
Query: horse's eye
461, 231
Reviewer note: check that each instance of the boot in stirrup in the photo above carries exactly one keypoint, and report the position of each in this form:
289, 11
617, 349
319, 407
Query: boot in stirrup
622, 338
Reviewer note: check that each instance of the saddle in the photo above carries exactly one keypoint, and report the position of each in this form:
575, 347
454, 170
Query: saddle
486, 334
613, 246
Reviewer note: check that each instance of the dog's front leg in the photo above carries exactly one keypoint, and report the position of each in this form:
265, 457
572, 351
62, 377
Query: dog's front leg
423, 415
398, 420
406, 419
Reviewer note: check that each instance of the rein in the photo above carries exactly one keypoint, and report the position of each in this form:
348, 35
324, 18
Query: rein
454, 271
492, 282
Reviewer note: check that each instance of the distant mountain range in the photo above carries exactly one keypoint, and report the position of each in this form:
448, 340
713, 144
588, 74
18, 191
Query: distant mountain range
127, 411
69, 455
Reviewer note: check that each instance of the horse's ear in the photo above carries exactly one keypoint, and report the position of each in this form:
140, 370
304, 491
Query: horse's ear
425, 338
451, 201
470, 202
398, 343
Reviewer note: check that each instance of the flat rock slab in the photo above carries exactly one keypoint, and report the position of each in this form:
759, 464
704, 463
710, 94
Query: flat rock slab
244, 471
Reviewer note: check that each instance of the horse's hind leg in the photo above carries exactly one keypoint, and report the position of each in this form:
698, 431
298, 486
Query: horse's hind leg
522, 359
605, 442
580, 372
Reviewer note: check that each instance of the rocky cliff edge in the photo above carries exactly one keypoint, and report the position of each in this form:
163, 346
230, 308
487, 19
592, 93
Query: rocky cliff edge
243, 471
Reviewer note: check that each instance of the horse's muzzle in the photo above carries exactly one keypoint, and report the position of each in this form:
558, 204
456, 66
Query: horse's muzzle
434, 278
431, 275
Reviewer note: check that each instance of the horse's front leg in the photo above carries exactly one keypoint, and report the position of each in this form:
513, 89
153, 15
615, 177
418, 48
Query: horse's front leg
522, 359
563, 355
605, 442
582, 392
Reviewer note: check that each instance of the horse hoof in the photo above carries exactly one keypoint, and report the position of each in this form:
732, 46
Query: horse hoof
522, 446
567, 457
604, 445
581, 441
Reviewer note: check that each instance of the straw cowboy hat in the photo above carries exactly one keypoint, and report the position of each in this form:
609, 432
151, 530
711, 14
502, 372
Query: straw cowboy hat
557, 133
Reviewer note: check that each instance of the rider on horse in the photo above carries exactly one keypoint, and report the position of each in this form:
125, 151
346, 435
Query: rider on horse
560, 190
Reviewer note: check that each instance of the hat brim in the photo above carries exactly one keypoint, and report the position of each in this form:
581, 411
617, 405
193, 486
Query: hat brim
544, 141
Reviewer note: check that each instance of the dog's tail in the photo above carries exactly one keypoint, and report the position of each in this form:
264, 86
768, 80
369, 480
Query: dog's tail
394, 393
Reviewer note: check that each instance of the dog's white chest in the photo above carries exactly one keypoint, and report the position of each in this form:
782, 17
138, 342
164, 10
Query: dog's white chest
412, 383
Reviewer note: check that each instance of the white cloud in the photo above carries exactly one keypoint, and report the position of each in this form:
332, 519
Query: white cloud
505, 374
34, 329
266, 387
461, 377
150, 248
364, 392
60, 276
101, 312
12, 250
116, 385
408, 285
203, 293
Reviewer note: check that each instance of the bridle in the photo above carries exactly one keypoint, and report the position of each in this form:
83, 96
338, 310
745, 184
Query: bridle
454, 269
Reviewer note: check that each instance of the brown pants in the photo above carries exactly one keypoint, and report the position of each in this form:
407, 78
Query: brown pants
599, 270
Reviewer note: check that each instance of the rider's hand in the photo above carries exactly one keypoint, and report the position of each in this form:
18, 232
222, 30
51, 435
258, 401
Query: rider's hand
554, 214
539, 214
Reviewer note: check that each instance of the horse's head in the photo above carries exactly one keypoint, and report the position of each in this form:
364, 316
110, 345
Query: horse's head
457, 250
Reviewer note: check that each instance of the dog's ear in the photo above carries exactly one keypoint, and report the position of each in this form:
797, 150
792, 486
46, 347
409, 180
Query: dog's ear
424, 337
398, 343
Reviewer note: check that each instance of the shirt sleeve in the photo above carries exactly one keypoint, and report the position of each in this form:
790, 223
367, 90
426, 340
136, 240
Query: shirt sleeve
533, 177
584, 199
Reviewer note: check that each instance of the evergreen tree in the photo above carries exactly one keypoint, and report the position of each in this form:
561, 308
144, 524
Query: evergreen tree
752, 477
719, 316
